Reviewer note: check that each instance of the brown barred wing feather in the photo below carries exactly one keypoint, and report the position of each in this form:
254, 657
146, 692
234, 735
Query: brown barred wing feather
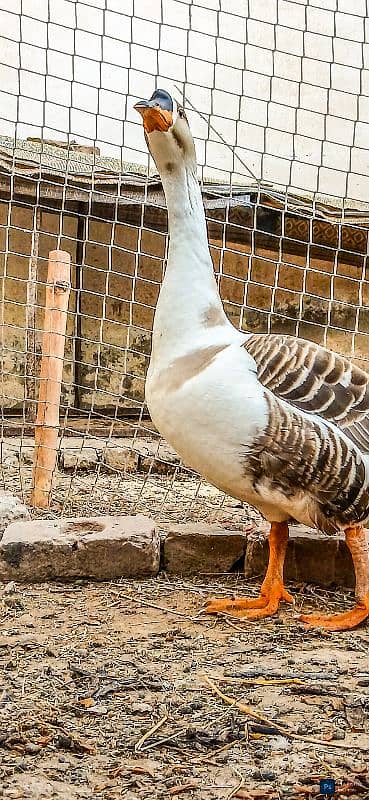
314, 380
298, 455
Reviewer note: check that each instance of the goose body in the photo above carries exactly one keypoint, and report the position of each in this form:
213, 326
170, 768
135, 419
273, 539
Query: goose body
213, 410
273, 420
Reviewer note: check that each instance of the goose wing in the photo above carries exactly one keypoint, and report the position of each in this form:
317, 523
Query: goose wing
311, 463
314, 380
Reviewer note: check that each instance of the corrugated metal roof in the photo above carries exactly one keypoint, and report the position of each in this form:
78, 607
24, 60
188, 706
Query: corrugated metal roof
35, 153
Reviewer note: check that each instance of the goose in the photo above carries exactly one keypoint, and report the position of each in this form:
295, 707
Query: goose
275, 421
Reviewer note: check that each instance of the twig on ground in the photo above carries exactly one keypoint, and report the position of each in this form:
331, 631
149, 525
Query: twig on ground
161, 741
238, 628
149, 733
262, 681
237, 788
153, 605
284, 731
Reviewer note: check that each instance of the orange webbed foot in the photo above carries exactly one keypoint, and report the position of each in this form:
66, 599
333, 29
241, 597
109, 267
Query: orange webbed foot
272, 589
260, 607
337, 622
358, 544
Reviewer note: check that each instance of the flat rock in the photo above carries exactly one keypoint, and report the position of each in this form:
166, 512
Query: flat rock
11, 509
194, 548
312, 557
98, 547
121, 458
158, 459
9, 455
128, 455
85, 459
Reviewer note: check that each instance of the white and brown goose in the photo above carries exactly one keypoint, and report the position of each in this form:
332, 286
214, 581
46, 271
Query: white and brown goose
276, 421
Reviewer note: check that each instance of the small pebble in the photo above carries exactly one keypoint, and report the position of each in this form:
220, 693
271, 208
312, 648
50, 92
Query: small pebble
222, 758
98, 641
267, 776
281, 743
10, 588
339, 733
32, 749
98, 710
141, 708
260, 752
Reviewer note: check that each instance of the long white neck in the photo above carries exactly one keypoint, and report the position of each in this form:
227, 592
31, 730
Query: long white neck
189, 312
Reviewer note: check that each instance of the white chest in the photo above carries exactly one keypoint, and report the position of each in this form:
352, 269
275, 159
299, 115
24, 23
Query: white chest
211, 417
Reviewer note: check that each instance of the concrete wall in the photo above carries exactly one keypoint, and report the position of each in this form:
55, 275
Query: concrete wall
16, 247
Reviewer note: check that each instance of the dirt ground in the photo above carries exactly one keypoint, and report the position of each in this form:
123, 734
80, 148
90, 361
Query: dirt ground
105, 694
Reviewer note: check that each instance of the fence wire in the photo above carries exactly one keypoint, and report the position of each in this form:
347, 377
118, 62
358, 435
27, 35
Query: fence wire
277, 95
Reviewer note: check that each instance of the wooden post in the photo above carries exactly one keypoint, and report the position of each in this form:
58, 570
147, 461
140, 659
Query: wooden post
52, 361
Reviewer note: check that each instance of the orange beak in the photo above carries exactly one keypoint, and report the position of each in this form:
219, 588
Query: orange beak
154, 117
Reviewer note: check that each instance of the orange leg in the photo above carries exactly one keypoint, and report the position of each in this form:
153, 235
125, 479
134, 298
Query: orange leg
272, 589
357, 540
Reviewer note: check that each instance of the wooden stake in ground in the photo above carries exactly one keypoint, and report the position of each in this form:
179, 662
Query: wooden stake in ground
52, 360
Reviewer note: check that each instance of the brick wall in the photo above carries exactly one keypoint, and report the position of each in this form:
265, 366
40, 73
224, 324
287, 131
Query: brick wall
272, 275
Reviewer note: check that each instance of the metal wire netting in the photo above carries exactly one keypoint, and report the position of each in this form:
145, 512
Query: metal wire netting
277, 95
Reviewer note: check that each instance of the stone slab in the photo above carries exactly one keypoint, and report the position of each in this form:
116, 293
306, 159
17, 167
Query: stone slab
11, 509
123, 454
84, 453
85, 459
101, 548
312, 557
193, 548
161, 460
120, 458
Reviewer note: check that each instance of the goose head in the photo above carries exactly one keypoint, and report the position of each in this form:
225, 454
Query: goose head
167, 133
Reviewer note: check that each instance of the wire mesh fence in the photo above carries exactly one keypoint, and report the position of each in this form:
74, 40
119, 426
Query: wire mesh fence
277, 95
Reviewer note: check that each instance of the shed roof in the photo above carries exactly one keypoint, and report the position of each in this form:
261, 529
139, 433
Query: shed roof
76, 173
